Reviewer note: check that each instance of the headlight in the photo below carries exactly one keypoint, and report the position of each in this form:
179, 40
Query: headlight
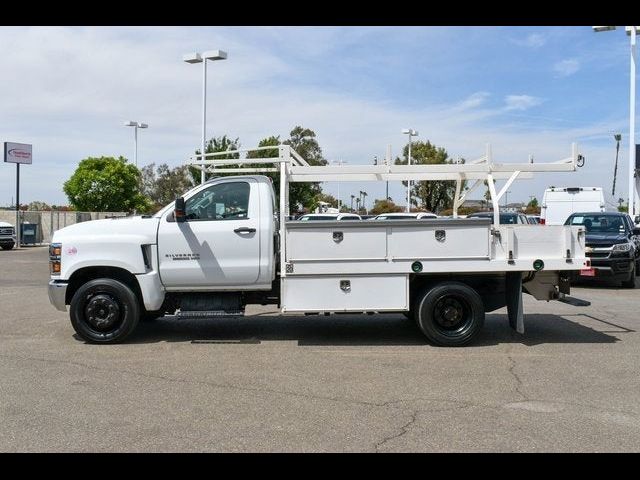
621, 247
55, 257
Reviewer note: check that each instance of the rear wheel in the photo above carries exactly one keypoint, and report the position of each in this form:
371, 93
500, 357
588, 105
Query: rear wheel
104, 311
450, 314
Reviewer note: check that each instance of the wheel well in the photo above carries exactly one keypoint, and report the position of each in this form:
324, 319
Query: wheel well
84, 275
490, 287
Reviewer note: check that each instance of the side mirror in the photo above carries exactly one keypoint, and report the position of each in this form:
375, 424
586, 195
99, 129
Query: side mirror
636, 220
179, 210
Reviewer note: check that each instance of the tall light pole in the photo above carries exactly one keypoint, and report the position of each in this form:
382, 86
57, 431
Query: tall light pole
339, 162
634, 186
136, 126
196, 57
412, 133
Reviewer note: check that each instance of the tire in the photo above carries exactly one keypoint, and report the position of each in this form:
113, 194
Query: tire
104, 311
8, 247
450, 314
631, 282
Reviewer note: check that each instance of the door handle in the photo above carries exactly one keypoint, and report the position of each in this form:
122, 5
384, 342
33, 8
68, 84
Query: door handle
245, 230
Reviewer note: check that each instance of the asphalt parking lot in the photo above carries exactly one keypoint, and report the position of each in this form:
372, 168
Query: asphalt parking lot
269, 383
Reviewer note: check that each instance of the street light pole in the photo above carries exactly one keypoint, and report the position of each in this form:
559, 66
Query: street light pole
202, 58
136, 126
338, 162
412, 133
634, 184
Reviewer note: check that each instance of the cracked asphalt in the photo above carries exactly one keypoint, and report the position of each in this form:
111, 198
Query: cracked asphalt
268, 383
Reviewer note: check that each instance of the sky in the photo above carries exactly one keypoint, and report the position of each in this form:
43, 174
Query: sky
525, 90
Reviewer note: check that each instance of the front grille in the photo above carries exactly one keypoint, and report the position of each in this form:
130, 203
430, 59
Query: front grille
597, 254
6, 231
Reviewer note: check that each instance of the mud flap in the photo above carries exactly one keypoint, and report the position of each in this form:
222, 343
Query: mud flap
513, 292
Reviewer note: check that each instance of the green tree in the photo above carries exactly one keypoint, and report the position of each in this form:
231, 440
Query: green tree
433, 195
303, 140
105, 184
214, 145
37, 205
384, 206
323, 197
164, 184
532, 208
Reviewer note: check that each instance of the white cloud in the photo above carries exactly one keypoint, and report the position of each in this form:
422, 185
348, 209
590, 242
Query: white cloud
533, 40
521, 102
474, 100
565, 68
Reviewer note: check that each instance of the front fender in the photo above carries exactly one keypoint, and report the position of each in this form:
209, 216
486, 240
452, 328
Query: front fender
124, 251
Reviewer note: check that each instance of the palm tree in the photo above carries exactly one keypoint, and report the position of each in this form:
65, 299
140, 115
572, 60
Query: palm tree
364, 198
358, 205
618, 137
352, 197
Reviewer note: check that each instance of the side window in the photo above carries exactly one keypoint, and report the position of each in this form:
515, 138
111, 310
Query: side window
224, 201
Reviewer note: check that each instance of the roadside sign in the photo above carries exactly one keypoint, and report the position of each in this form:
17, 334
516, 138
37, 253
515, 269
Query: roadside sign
17, 153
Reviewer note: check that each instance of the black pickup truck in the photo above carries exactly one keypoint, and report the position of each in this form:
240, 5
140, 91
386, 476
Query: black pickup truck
612, 244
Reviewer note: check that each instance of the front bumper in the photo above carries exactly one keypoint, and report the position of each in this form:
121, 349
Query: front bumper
7, 240
58, 294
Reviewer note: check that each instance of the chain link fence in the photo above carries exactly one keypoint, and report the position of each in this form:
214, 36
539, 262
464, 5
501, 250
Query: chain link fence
48, 222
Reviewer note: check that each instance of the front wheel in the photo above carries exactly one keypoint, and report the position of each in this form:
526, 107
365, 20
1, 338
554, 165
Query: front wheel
8, 247
450, 314
104, 311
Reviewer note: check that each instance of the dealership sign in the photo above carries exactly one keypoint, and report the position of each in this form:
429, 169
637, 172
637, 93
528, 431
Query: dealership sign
17, 152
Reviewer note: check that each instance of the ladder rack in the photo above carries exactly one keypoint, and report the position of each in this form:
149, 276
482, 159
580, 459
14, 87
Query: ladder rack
293, 168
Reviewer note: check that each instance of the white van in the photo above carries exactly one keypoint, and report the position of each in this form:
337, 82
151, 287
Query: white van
560, 202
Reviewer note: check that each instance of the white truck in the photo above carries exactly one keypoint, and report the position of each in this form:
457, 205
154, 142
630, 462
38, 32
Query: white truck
227, 243
558, 203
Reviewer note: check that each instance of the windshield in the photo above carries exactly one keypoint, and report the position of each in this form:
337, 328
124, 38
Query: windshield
505, 218
306, 218
598, 223
395, 217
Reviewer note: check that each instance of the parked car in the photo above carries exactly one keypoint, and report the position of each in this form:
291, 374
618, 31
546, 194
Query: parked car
612, 243
7, 236
534, 219
506, 218
310, 217
405, 216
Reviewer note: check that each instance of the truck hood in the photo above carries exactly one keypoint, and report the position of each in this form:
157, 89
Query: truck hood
594, 239
5, 224
143, 229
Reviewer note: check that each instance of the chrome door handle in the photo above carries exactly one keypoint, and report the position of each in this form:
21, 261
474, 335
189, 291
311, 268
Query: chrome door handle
245, 230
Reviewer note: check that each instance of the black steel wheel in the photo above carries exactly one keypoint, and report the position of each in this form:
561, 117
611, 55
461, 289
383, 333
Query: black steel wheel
104, 311
450, 314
